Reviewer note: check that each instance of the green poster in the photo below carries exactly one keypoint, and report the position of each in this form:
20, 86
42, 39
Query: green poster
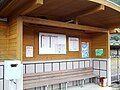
99, 52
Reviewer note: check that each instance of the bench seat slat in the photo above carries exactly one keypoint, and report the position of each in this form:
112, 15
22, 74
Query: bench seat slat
54, 72
56, 75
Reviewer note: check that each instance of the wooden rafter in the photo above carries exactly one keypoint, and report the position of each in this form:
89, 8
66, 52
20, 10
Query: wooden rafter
92, 11
33, 6
52, 23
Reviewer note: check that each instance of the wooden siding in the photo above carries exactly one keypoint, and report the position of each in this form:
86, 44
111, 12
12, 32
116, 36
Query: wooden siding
100, 41
3, 41
30, 38
12, 39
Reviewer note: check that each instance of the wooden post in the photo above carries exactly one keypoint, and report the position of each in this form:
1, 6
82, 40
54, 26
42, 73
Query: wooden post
19, 38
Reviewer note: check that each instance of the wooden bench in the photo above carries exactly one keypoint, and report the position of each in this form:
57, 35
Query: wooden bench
33, 80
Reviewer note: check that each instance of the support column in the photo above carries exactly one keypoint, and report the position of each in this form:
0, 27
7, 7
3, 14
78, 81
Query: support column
109, 62
19, 51
109, 72
19, 38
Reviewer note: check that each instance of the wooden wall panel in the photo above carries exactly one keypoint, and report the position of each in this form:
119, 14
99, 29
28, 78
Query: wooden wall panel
100, 41
15, 38
30, 38
12, 39
3, 41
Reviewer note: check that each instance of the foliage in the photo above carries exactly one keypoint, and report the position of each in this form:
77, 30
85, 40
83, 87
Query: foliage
116, 38
116, 1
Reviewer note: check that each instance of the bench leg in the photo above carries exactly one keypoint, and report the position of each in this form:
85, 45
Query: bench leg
60, 86
51, 87
83, 82
90, 80
77, 83
45, 87
66, 86
96, 80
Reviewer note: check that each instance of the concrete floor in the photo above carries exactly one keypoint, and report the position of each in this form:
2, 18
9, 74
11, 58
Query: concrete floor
92, 87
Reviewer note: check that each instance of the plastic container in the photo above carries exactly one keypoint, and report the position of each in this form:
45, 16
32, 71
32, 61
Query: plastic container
103, 81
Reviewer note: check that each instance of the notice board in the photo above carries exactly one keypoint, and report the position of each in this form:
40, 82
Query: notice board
52, 43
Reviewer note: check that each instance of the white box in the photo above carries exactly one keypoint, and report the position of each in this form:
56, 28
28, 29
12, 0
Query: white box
13, 69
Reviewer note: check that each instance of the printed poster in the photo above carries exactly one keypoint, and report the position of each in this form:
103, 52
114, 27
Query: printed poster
85, 49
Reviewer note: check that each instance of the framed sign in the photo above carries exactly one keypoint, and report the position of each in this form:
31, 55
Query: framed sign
85, 49
99, 52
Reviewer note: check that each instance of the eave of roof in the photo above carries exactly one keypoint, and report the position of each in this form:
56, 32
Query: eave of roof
108, 3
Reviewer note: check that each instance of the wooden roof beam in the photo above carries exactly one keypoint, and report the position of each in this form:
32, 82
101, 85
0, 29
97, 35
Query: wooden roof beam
8, 7
108, 4
92, 11
59, 24
33, 6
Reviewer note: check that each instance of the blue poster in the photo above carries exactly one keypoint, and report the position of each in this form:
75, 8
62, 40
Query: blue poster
85, 50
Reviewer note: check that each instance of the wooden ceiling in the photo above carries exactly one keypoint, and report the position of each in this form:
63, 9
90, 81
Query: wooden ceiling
58, 9
66, 10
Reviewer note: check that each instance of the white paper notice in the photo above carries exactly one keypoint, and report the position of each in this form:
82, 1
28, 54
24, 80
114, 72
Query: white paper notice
73, 44
29, 51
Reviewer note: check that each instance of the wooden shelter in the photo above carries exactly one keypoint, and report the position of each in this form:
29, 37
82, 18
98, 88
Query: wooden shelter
89, 20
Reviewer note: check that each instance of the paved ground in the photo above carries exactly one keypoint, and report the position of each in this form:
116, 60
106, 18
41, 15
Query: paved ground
92, 87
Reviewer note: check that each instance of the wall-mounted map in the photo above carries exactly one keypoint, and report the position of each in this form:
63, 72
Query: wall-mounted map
52, 43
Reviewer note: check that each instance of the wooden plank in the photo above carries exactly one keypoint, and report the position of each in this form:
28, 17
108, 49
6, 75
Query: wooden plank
12, 36
3, 40
91, 11
61, 24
